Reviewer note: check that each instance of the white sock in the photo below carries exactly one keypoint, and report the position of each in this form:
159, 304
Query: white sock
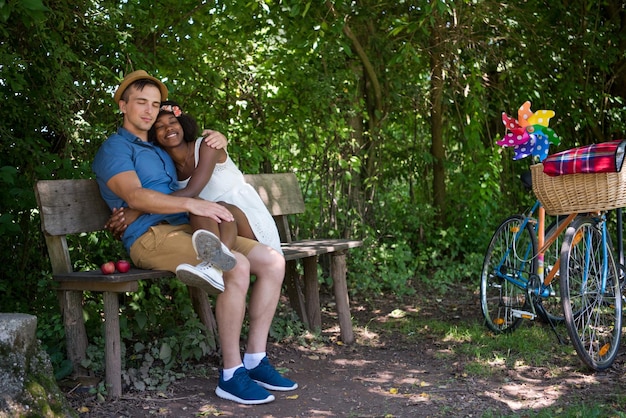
228, 373
251, 360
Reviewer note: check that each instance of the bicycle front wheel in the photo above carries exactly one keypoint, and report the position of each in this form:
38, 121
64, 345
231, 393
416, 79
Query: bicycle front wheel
509, 262
590, 293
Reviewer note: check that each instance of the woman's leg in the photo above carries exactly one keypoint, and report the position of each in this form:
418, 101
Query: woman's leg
225, 231
243, 225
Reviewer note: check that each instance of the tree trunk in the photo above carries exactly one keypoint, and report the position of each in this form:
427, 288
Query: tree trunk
436, 122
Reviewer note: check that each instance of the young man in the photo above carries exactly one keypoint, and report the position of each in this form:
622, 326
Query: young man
132, 172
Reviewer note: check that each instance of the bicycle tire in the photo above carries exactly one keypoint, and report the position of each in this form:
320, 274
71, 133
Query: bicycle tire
593, 318
500, 297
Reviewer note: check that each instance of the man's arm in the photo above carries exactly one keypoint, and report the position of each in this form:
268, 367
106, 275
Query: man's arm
127, 186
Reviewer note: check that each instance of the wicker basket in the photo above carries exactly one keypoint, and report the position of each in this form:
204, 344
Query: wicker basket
577, 193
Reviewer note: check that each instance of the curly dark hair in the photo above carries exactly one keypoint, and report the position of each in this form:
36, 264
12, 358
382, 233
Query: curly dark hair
188, 123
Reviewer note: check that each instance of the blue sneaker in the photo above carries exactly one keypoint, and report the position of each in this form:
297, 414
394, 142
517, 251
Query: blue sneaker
267, 376
242, 389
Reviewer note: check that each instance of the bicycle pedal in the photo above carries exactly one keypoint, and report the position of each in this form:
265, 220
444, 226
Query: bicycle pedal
523, 314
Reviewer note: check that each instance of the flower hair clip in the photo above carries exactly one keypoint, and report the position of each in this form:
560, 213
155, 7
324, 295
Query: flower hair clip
177, 111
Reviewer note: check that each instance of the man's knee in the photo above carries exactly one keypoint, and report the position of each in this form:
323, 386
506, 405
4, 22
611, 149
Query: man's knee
265, 259
240, 274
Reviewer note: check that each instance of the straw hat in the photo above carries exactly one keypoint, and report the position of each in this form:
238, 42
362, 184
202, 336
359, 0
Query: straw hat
138, 75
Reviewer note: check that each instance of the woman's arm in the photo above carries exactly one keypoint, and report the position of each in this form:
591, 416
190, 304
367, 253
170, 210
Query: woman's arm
214, 139
209, 156
201, 175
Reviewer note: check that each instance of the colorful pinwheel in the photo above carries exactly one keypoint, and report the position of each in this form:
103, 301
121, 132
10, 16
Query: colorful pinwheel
529, 134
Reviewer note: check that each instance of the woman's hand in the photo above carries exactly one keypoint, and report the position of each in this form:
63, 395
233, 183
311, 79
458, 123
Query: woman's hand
214, 139
119, 221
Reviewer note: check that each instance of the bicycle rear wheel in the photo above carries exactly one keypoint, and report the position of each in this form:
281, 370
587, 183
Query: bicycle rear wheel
509, 262
592, 309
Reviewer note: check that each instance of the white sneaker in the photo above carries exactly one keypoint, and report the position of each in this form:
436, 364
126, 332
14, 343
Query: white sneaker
210, 249
204, 276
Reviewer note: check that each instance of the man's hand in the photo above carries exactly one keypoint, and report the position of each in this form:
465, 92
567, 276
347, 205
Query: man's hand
214, 139
119, 221
211, 210
116, 224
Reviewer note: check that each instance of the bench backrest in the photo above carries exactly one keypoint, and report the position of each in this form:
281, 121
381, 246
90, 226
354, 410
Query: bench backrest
68, 207
75, 206
282, 195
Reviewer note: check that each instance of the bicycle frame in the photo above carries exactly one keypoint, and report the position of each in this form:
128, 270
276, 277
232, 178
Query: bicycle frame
544, 244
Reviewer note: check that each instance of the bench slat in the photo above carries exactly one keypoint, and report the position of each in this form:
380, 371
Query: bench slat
312, 247
97, 276
114, 287
280, 192
71, 206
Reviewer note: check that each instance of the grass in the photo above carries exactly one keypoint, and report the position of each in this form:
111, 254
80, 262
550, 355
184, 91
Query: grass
489, 356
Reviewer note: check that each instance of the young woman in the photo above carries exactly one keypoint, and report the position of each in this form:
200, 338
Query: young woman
212, 175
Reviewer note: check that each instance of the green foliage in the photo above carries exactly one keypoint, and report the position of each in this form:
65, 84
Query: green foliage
379, 269
337, 92
52, 335
160, 335
162, 338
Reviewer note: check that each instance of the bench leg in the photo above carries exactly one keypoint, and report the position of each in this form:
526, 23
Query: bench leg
294, 291
75, 334
312, 293
112, 354
338, 273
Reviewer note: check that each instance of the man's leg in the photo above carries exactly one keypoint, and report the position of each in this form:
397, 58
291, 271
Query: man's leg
164, 247
230, 308
269, 267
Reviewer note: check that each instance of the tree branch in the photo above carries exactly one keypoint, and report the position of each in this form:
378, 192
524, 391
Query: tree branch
367, 64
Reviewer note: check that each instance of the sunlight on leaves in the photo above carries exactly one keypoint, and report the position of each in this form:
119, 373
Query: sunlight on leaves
397, 313
208, 410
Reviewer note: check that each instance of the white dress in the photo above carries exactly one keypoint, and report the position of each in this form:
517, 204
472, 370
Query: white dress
228, 185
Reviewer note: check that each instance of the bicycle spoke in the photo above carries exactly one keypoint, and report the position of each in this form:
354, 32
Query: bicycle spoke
591, 302
509, 261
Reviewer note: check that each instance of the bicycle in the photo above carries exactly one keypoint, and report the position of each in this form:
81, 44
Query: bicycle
520, 269
514, 286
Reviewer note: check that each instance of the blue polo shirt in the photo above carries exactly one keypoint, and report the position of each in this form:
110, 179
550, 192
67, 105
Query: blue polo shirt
122, 152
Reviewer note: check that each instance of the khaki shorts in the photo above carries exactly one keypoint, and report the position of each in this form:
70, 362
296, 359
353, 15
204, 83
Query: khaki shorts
164, 247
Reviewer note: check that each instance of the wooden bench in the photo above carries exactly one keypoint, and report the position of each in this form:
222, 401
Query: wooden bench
282, 195
75, 206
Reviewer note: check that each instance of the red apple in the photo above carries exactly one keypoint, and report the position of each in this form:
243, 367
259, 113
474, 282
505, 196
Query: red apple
108, 267
122, 266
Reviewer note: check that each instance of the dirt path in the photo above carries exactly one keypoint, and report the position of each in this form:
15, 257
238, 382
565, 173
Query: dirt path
381, 375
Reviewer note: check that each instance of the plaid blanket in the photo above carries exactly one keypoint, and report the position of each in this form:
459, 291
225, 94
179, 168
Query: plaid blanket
605, 157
